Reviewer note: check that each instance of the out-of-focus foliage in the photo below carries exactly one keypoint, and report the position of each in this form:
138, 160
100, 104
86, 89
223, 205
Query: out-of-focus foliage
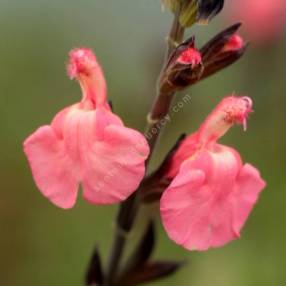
43, 245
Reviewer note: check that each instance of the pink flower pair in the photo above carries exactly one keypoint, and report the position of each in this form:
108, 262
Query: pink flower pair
211, 192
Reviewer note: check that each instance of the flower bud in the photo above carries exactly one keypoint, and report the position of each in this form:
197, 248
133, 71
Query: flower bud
208, 9
223, 50
184, 66
192, 11
187, 65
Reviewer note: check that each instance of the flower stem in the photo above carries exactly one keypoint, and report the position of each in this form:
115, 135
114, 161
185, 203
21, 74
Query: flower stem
163, 101
124, 222
129, 209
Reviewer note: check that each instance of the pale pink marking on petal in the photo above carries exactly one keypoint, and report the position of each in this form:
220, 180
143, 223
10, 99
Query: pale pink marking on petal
103, 119
226, 163
59, 121
52, 169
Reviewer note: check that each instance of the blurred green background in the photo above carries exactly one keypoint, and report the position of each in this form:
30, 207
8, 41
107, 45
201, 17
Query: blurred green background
43, 245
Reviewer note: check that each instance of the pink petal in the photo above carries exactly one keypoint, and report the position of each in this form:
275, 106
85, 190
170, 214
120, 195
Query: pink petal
177, 201
187, 149
260, 30
103, 119
197, 213
115, 166
248, 187
59, 121
52, 169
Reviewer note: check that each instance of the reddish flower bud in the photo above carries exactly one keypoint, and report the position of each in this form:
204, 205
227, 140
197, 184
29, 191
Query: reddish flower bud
190, 57
234, 43
183, 67
223, 50
187, 65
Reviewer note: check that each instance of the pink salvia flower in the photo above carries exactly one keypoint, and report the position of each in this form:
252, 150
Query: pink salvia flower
213, 192
86, 144
263, 20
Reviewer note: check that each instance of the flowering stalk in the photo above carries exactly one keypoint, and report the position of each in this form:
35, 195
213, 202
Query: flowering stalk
129, 208
164, 99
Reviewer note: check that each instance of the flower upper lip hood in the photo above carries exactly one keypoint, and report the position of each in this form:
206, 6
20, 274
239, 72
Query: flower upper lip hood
238, 109
231, 110
84, 67
82, 63
86, 144
212, 192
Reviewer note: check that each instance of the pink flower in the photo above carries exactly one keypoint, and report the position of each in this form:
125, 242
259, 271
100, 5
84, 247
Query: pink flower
86, 144
212, 193
263, 20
